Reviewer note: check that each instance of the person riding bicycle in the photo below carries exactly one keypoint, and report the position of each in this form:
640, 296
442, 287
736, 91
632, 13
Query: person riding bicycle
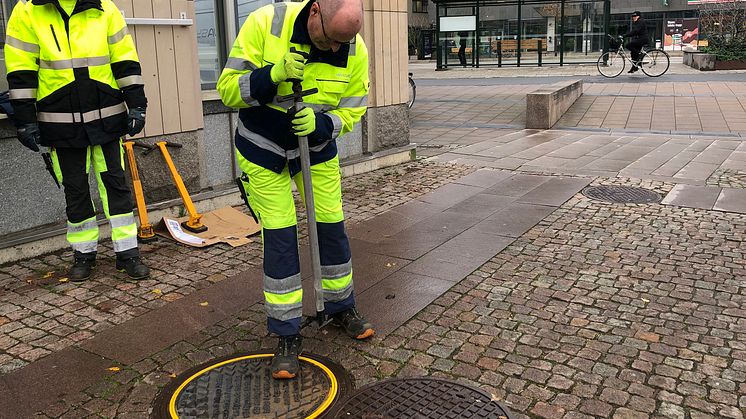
638, 34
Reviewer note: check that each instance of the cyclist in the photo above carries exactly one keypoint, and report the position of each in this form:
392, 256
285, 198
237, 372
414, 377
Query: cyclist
638, 35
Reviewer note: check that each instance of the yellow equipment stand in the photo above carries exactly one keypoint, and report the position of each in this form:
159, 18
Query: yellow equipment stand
145, 232
194, 223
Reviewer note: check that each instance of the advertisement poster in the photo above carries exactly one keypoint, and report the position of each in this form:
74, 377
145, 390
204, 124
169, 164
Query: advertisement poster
680, 33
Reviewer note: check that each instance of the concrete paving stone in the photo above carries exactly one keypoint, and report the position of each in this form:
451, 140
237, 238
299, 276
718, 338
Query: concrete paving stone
607, 164
695, 170
517, 185
731, 200
449, 195
413, 242
484, 178
460, 256
31, 389
160, 328
629, 153
555, 191
393, 221
399, 297
514, 220
481, 205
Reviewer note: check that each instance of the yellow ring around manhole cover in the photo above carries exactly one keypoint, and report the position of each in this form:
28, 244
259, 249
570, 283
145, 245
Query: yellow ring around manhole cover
327, 402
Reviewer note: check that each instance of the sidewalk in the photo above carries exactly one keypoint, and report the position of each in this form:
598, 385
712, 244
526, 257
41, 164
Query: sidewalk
481, 263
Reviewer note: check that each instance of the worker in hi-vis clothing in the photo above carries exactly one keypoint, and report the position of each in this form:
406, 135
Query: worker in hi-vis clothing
258, 72
76, 87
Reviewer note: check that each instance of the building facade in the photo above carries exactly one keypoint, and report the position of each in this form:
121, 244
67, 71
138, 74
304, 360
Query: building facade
183, 45
542, 32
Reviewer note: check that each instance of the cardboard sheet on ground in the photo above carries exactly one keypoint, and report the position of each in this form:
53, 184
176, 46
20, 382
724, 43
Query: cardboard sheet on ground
227, 225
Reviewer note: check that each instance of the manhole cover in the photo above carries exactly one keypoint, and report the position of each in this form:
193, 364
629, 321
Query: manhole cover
241, 386
622, 194
418, 398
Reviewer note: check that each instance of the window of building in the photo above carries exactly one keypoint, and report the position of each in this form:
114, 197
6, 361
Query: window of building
419, 6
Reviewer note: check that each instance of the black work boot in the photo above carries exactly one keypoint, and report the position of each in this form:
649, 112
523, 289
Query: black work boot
354, 324
285, 362
82, 267
133, 266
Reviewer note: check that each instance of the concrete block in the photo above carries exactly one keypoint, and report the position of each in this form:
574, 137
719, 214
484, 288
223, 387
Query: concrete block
545, 106
700, 60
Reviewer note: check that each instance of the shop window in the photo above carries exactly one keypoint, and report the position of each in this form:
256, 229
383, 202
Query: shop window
419, 6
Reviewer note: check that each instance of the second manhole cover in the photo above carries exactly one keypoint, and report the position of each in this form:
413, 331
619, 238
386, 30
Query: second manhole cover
622, 194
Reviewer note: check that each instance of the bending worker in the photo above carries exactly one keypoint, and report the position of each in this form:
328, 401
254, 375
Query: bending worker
72, 67
259, 70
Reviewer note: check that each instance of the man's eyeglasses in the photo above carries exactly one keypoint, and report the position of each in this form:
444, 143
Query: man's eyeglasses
329, 40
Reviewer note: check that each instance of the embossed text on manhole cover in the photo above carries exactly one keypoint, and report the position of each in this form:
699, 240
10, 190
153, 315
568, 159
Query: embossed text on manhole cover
420, 398
241, 386
622, 194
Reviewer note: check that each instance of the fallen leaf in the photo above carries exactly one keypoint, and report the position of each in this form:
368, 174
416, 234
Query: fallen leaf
47, 275
204, 304
63, 279
115, 369
645, 300
388, 265
157, 291
28, 281
172, 375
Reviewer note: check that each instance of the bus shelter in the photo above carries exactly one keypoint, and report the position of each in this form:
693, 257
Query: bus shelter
499, 33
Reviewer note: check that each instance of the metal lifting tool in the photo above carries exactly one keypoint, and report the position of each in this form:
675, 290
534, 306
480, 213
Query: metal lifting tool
145, 232
194, 223
305, 164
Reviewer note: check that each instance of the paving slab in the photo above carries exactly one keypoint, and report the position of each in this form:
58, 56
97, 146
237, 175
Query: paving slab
161, 328
397, 298
484, 178
517, 185
555, 191
692, 196
59, 375
731, 200
515, 219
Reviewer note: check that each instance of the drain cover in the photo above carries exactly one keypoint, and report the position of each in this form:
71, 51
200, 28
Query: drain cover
622, 194
420, 398
242, 386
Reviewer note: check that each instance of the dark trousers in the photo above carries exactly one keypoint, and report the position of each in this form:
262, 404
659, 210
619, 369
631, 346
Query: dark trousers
462, 55
74, 165
635, 47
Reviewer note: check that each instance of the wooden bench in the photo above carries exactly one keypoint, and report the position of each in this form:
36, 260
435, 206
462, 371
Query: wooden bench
510, 46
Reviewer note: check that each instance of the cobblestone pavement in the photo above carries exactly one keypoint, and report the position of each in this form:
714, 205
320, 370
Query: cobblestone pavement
42, 312
601, 310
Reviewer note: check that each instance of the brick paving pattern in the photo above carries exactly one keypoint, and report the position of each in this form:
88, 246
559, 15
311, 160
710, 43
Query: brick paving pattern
42, 312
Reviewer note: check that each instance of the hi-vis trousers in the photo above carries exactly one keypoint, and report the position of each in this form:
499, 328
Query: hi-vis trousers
271, 199
71, 166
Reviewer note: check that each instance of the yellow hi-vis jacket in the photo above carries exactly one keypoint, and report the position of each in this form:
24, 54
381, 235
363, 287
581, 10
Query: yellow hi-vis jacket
73, 74
264, 135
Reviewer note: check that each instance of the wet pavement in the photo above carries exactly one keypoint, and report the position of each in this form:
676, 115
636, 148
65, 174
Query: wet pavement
482, 263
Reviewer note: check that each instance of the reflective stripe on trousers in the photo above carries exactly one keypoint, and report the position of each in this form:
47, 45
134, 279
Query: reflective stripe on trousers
271, 198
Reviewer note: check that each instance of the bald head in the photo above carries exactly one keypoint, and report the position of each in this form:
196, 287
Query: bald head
334, 22
346, 17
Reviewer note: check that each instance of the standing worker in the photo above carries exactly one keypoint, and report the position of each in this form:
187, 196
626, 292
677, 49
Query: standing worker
258, 73
72, 66
638, 34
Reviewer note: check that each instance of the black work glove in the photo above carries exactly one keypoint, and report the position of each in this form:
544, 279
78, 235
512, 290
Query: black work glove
135, 120
29, 135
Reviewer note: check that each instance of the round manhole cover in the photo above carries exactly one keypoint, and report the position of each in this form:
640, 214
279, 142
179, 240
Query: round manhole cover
241, 386
622, 194
420, 398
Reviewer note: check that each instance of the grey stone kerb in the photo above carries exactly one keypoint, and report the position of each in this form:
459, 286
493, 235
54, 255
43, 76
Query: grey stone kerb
545, 106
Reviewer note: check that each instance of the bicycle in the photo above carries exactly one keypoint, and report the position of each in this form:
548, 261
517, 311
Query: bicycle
412, 92
652, 62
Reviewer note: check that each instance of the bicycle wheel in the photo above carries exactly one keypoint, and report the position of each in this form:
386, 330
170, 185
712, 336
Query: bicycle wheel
412, 92
611, 64
655, 62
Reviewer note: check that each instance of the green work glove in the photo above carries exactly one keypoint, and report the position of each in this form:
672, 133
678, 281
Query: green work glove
304, 122
290, 67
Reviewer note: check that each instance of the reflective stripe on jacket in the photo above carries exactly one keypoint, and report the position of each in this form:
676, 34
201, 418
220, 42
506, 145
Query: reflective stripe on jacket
73, 74
263, 136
